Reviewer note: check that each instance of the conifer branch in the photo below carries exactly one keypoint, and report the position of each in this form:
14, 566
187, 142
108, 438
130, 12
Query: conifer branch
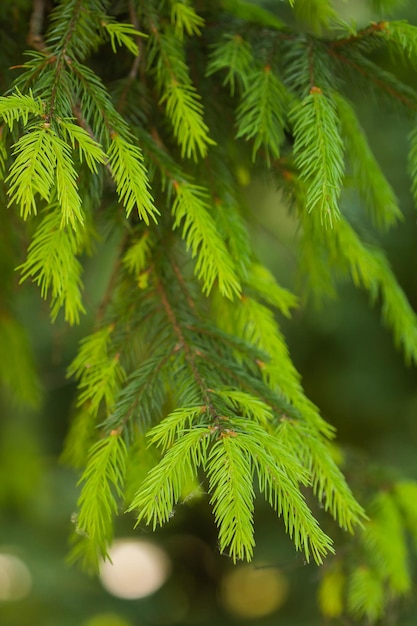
318, 14
233, 54
230, 482
185, 19
99, 373
137, 62
189, 353
102, 482
371, 270
404, 493
18, 106
128, 171
182, 102
389, 558
373, 31
141, 400
123, 35
318, 152
402, 37
278, 475
261, 113
33, 169
190, 210
75, 28
371, 183
385, 82
163, 486
327, 481
186, 348
52, 263
365, 594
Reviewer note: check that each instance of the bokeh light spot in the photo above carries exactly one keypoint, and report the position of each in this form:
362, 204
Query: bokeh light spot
250, 592
15, 578
137, 569
107, 619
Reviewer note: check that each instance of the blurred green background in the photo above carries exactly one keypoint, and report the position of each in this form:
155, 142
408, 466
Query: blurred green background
349, 368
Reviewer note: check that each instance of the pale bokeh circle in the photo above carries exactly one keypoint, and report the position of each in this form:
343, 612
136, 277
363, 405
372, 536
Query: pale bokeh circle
15, 578
136, 570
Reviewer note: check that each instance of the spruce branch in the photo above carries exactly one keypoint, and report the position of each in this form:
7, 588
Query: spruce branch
128, 171
75, 28
191, 212
365, 594
123, 35
370, 269
367, 175
328, 483
318, 14
33, 170
385, 83
389, 558
186, 350
163, 486
18, 107
53, 264
261, 113
233, 54
401, 38
190, 352
141, 401
102, 483
181, 99
404, 494
185, 19
89, 150
66, 185
99, 372
318, 152
230, 483
278, 475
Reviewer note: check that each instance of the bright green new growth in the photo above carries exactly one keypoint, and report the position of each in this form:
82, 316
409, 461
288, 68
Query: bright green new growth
186, 352
318, 151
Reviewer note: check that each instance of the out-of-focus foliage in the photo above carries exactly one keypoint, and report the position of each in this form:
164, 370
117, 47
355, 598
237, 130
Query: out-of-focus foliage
130, 132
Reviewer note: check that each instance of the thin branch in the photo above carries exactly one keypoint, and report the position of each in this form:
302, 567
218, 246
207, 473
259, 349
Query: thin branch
111, 284
190, 353
35, 37
183, 286
369, 76
374, 28
137, 62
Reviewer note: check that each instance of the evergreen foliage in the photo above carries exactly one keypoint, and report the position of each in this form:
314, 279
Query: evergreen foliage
186, 357
378, 571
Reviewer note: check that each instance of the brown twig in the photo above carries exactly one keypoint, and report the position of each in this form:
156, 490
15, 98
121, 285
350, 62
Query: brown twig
137, 62
380, 83
189, 353
35, 37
